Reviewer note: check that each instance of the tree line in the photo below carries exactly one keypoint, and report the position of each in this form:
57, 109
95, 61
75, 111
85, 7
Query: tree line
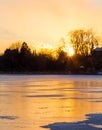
20, 58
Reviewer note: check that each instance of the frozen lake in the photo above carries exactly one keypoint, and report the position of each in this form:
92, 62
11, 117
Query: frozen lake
50, 102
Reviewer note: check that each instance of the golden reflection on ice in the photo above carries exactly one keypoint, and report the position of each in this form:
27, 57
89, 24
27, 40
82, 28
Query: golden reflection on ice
39, 102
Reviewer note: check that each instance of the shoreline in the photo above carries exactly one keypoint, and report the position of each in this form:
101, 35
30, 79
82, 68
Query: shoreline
45, 73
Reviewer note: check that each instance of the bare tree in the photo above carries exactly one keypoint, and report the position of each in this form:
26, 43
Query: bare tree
83, 41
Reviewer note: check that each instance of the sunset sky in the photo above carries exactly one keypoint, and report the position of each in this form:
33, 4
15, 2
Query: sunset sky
46, 21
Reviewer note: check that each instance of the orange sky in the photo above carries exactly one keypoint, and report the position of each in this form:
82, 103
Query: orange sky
46, 20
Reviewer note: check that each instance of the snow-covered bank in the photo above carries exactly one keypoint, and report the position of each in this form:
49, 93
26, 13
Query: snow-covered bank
94, 122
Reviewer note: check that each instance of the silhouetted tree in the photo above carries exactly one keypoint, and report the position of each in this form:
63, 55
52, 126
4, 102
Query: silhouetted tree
10, 60
62, 60
25, 50
20, 58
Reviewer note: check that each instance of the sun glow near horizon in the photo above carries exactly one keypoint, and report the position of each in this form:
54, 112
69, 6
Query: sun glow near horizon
41, 46
69, 50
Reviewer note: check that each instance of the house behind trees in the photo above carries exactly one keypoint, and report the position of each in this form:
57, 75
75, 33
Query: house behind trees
97, 58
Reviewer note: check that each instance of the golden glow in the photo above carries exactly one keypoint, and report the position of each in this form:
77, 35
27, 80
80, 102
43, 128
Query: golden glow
46, 20
69, 49
45, 46
40, 46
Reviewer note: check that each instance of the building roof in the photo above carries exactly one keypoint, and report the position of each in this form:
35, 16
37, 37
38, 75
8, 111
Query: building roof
98, 49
